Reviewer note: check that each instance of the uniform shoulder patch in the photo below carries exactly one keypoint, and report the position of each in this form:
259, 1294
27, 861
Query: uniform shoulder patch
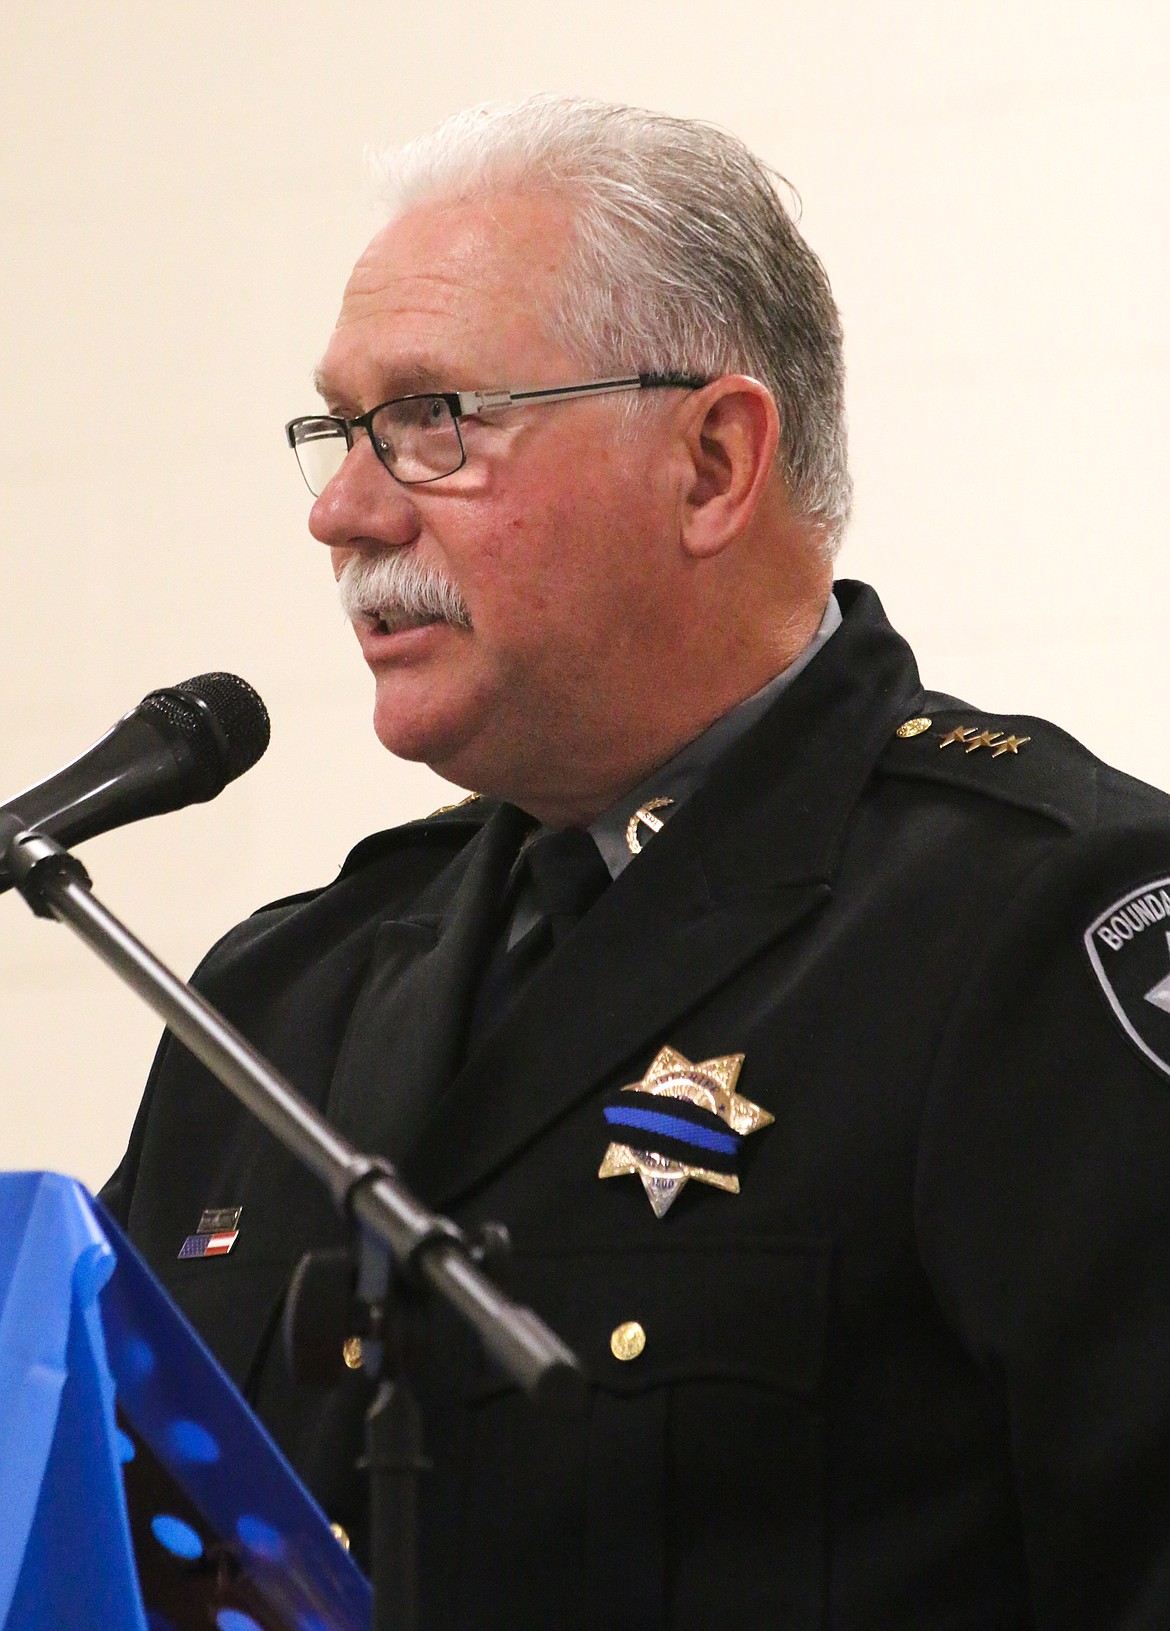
1129, 949
1013, 758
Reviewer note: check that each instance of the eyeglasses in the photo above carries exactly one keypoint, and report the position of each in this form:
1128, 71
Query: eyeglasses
417, 438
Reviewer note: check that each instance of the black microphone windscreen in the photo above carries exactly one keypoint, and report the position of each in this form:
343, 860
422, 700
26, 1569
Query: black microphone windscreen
221, 718
181, 745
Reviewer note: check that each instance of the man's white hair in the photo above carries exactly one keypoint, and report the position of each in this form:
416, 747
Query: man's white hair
684, 258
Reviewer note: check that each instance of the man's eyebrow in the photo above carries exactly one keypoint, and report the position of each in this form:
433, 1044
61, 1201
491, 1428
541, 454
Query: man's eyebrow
402, 380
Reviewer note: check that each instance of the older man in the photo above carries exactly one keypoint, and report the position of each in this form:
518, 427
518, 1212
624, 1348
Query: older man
809, 1030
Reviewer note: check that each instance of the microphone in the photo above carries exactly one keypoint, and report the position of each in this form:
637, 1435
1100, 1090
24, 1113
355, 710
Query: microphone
181, 745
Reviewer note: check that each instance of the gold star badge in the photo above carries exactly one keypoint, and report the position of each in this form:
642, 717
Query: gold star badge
665, 1134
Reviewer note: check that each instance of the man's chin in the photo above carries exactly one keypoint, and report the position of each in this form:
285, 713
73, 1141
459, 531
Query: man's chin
416, 720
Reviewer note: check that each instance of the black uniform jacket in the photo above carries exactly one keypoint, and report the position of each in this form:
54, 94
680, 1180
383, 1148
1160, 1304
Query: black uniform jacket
916, 1373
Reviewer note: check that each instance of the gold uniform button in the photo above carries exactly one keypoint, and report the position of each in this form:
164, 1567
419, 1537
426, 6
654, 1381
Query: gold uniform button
913, 727
351, 1352
627, 1341
340, 1536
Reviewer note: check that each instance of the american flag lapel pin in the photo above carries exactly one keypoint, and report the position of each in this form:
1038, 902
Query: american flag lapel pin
218, 1230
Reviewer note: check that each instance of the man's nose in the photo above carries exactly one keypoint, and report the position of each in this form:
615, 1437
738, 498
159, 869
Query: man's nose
363, 505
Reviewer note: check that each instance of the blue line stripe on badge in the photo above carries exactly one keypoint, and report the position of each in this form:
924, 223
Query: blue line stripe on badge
654, 1121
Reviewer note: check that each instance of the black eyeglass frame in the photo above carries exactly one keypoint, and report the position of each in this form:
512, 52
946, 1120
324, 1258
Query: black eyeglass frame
461, 404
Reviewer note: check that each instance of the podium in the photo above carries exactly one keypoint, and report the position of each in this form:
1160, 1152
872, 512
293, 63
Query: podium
138, 1492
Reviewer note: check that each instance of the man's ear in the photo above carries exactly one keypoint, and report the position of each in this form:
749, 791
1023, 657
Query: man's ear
732, 431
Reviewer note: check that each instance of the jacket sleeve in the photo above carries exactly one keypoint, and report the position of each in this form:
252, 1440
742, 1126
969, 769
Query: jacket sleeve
117, 1193
118, 1190
1043, 1218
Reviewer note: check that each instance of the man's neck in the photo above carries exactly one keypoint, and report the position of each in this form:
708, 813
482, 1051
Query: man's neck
584, 806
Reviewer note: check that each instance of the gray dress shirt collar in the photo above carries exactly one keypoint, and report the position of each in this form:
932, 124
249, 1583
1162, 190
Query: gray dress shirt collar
679, 777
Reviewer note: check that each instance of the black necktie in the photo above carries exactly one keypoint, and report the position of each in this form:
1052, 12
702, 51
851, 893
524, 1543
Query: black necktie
566, 874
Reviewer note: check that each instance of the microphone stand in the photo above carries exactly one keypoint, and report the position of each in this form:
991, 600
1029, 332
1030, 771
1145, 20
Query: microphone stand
393, 1227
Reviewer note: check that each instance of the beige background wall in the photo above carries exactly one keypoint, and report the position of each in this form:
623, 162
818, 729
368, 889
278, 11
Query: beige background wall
181, 194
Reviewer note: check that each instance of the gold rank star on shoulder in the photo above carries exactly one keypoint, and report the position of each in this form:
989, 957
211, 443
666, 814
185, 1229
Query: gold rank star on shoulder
445, 809
968, 737
971, 740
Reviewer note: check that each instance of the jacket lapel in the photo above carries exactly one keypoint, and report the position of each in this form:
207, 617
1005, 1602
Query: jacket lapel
406, 1032
648, 951
744, 862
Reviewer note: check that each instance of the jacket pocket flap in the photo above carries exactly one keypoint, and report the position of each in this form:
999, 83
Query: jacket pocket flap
755, 1311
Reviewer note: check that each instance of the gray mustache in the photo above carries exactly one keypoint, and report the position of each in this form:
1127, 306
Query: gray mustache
401, 591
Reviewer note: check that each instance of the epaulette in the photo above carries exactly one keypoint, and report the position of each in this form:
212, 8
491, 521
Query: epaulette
452, 823
1012, 758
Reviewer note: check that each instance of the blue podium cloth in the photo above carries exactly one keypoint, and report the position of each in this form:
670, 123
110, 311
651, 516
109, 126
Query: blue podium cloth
107, 1393
60, 1467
